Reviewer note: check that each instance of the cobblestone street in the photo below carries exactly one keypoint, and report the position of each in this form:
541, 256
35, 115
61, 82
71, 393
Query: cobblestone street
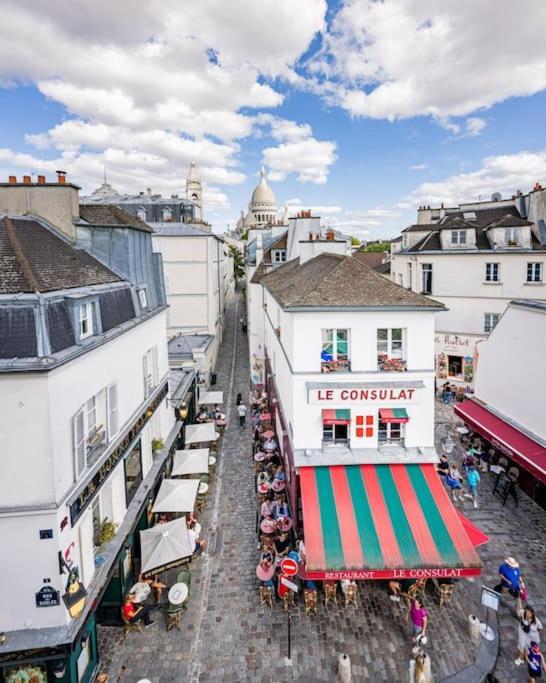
227, 636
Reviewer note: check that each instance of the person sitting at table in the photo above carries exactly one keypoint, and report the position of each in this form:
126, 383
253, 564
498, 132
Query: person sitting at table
202, 416
144, 586
267, 508
191, 520
281, 507
300, 547
132, 613
279, 473
443, 466
282, 545
198, 543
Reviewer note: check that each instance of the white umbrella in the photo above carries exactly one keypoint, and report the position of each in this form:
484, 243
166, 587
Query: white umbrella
164, 546
191, 461
176, 495
199, 433
211, 397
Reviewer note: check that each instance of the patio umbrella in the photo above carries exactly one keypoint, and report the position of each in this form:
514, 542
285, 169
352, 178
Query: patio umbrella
200, 432
176, 495
211, 398
191, 461
165, 546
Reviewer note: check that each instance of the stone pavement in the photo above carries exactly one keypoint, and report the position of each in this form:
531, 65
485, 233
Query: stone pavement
227, 636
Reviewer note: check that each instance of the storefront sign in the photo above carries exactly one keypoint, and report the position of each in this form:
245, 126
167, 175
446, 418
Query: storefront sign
89, 491
361, 574
358, 395
461, 344
47, 596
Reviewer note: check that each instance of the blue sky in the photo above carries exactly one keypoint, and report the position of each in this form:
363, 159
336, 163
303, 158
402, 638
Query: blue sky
360, 110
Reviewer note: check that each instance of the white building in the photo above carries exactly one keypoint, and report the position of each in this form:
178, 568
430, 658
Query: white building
349, 371
474, 258
508, 414
85, 427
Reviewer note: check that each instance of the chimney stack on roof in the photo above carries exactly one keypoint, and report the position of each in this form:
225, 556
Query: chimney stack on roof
41, 180
61, 177
26, 179
12, 180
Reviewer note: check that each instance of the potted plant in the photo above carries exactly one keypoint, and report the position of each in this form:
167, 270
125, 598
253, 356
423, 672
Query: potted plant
107, 531
157, 445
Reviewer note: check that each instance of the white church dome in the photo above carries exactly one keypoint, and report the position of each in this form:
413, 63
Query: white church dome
263, 194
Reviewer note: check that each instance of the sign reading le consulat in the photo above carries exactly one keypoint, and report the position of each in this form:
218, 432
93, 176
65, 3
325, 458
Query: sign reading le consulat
350, 394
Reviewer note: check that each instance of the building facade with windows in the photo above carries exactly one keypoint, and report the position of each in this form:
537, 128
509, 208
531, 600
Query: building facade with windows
474, 258
350, 379
85, 423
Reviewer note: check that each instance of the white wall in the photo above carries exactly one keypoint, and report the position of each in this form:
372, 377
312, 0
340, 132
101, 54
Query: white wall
515, 350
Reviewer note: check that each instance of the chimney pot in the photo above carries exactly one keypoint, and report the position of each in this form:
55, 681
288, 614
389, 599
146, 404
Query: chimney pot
12, 180
41, 180
26, 179
61, 177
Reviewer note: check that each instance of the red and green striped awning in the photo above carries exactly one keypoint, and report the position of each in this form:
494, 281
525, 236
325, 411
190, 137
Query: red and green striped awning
336, 417
393, 415
382, 521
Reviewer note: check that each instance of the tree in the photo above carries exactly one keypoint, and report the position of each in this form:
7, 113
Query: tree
377, 246
355, 242
238, 263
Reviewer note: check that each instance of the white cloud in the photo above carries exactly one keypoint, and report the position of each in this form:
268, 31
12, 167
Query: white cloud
378, 212
418, 167
305, 155
475, 126
505, 173
403, 58
295, 205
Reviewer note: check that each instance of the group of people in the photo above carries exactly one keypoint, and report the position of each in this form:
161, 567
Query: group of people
214, 414
468, 473
134, 606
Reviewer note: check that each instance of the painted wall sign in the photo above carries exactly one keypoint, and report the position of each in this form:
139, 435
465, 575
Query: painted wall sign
365, 574
357, 395
89, 491
47, 596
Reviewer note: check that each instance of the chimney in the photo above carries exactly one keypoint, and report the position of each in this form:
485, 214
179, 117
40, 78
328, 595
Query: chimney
41, 180
330, 235
13, 180
26, 179
61, 177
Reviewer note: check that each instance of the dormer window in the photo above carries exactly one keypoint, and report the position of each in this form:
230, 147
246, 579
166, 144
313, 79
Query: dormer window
85, 320
167, 215
279, 255
141, 213
512, 237
458, 238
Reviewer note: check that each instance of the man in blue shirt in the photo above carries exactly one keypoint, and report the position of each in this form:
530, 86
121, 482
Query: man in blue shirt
510, 576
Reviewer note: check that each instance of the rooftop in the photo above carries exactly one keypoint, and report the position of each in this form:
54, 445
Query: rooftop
33, 258
334, 281
181, 230
183, 345
108, 215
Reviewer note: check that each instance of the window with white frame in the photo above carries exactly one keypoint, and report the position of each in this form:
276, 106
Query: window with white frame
141, 213
167, 214
390, 348
335, 349
85, 315
143, 299
512, 237
410, 275
94, 424
150, 371
390, 433
534, 272
490, 320
426, 278
492, 272
458, 237
279, 255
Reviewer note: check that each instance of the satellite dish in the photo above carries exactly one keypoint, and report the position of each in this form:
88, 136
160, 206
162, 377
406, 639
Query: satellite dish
496, 197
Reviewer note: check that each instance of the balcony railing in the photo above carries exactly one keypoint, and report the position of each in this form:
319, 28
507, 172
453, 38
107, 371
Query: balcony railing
339, 365
386, 364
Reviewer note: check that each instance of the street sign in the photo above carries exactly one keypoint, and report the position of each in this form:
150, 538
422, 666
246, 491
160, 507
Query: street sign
490, 598
289, 567
289, 584
47, 596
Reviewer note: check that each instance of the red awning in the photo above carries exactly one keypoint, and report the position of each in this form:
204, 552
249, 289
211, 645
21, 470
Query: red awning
475, 535
336, 417
507, 439
393, 415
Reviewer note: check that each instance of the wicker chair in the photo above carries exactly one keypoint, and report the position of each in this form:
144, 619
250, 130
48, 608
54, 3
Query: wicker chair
416, 589
266, 596
129, 626
445, 592
330, 593
288, 600
350, 595
174, 616
310, 601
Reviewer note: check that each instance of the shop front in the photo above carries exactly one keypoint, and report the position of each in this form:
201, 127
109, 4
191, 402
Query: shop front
456, 359
520, 450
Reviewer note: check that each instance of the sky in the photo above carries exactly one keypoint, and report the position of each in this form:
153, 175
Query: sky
361, 110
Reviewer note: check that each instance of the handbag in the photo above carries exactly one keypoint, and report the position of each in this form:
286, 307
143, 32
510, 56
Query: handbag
523, 594
525, 627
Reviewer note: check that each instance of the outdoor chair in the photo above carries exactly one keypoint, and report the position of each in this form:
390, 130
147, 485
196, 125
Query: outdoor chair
513, 473
184, 576
129, 626
350, 596
266, 596
416, 589
310, 601
174, 616
288, 600
445, 592
503, 462
330, 593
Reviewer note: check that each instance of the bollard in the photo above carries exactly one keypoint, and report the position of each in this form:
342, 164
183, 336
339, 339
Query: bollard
474, 628
344, 668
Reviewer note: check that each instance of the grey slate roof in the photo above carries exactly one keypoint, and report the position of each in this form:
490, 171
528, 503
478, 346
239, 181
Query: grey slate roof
183, 345
484, 218
34, 259
335, 281
266, 263
105, 215
180, 230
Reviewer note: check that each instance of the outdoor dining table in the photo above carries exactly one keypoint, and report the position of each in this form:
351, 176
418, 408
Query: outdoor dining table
178, 594
278, 485
203, 488
212, 461
268, 526
263, 487
284, 523
259, 456
265, 573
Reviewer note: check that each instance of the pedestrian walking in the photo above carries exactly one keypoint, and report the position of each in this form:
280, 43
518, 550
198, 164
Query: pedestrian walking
510, 578
528, 632
535, 662
472, 482
453, 481
420, 668
417, 614
241, 411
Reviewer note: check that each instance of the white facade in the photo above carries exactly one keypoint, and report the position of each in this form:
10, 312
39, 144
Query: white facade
199, 283
39, 476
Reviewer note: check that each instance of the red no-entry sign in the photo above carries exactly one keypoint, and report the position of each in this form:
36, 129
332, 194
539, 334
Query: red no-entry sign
289, 567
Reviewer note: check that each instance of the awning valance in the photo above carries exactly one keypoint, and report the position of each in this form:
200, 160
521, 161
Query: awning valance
336, 417
393, 415
382, 521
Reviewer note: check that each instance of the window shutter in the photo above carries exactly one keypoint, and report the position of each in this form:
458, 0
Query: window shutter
112, 399
145, 374
79, 442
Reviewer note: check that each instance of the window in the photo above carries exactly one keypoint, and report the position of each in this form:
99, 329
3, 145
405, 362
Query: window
133, 472
458, 237
400, 279
410, 275
426, 278
167, 215
390, 433
279, 255
492, 271
96, 517
534, 272
335, 350
84, 658
490, 320
455, 366
512, 237
95, 423
390, 349
335, 434
142, 298
79, 441
141, 213
86, 320
150, 371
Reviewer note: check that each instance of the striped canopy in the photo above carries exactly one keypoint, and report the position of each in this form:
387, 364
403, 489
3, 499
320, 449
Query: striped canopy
382, 521
336, 417
393, 415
